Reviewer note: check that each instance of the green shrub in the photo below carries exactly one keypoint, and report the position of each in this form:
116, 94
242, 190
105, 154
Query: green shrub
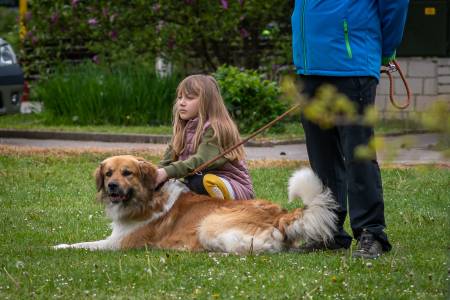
89, 94
9, 29
190, 34
251, 100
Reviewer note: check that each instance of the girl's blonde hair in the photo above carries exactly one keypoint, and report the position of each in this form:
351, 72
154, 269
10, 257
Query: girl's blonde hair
211, 108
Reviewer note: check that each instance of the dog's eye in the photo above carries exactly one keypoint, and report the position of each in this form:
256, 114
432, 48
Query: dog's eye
126, 173
109, 173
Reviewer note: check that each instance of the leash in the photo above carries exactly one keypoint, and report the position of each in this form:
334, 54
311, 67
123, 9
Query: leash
206, 164
391, 68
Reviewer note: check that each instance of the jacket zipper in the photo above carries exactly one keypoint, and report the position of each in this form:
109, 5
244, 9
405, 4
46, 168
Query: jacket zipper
303, 34
347, 40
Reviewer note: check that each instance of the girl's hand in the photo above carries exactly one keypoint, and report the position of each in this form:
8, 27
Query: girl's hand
161, 176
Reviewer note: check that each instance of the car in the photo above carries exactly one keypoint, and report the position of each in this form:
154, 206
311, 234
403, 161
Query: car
11, 80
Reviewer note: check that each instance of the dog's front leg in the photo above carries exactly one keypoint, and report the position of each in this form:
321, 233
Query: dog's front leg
107, 244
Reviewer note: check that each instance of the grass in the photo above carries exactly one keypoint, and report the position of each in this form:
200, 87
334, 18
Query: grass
293, 129
37, 122
47, 199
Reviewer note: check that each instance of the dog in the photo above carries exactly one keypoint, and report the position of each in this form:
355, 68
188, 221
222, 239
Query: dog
172, 217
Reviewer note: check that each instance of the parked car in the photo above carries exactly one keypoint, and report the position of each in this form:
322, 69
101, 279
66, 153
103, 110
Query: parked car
11, 80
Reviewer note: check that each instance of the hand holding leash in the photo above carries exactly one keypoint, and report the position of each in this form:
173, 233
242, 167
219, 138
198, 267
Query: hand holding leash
391, 68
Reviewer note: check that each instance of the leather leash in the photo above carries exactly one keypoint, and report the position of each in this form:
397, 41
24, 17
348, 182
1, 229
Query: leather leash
206, 164
391, 68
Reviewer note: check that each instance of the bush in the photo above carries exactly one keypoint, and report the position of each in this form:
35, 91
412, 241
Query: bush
251, 100
190, 34
89, 94
9, 29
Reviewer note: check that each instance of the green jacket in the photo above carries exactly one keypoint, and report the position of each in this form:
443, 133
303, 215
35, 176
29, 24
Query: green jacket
207, 149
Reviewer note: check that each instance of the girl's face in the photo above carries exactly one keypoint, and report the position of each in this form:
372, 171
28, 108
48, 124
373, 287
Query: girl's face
188, 106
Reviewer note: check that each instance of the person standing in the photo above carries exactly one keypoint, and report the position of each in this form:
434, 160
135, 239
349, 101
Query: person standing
344, 43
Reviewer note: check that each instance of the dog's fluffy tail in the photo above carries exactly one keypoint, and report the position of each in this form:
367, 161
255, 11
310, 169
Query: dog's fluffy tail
318, 222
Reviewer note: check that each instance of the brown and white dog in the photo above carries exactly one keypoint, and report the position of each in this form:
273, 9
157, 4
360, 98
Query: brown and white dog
175, 218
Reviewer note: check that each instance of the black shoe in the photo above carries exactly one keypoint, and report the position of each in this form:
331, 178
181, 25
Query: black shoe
368, 246
318, 246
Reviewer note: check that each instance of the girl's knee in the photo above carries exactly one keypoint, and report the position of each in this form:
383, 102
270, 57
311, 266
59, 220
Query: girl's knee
218, 187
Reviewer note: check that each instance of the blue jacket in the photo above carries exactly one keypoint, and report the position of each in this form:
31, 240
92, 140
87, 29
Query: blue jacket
346, 37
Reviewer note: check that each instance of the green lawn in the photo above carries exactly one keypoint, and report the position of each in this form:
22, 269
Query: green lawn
49, 199
37, 122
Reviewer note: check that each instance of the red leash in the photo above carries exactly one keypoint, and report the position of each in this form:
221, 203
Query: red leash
394, 67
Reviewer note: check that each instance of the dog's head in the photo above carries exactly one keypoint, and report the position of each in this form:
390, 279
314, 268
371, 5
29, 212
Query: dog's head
125, 184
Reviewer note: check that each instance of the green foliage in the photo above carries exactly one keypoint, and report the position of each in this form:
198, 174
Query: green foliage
329, 108
190, 34
48, 199
251, 100
436, 117
89, 94
39, 121
248, 33
9, 30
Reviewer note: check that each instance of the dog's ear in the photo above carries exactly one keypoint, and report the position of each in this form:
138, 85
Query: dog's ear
148, 174
140, 158
99, 178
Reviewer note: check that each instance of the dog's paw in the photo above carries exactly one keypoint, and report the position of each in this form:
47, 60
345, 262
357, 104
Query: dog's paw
61, 246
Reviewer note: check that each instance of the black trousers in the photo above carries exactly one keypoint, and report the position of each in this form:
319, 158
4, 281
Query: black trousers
195, 183
356, 184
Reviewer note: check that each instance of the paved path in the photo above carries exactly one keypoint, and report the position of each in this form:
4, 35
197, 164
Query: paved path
406, 149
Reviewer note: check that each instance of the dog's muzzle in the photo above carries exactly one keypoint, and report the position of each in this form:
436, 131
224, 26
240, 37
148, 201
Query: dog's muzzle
117, 194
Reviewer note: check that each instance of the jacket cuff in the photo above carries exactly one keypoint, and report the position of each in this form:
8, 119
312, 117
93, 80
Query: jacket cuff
171, 171
387, 59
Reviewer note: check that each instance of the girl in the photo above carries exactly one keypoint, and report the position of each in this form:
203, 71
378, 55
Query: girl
202, 128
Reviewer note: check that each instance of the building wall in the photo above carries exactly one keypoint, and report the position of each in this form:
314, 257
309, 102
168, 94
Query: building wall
429, 80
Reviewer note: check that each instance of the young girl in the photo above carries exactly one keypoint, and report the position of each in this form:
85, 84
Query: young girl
202, 129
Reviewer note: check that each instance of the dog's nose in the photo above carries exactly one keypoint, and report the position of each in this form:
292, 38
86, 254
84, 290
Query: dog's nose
112, 186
